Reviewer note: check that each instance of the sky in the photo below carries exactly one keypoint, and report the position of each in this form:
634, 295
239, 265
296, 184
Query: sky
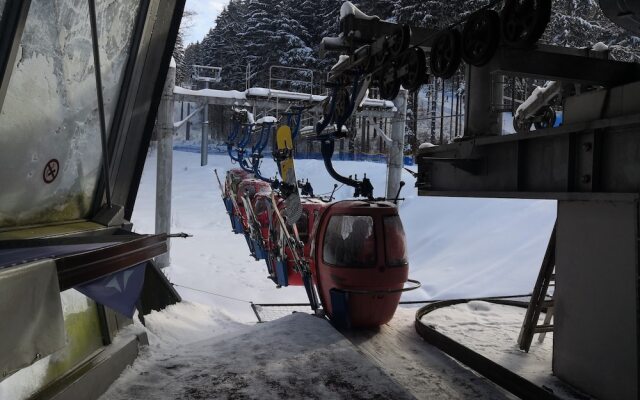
206, 13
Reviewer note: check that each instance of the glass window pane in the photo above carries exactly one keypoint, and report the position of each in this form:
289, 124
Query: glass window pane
2, 3
395, 242
50, 151
349, 241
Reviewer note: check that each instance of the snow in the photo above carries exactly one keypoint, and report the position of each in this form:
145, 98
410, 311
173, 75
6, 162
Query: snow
172, 63
222, 94
349, 9
426, 145
241, 97
267, 120
600, 47
540, 96
492, 330
300, 357
333, 43
342, 58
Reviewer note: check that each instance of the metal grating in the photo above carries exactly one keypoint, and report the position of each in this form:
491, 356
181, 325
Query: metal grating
271, 312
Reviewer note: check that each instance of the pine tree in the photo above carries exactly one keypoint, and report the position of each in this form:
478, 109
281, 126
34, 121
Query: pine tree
261, 39
287, 32
582, 24
225, 46
192, 56
178, 56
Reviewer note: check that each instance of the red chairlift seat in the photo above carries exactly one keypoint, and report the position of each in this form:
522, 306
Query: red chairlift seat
311, 208
233, 179
250, 187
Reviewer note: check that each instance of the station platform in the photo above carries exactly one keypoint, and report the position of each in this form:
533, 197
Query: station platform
301, 356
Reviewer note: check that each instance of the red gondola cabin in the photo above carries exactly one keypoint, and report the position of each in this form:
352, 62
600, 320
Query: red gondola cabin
360, 262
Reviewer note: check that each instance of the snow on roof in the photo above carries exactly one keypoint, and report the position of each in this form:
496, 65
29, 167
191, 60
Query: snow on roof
283, 94
329, 43
223, 94
341, 59
267, 120
426, 145
600, 47
538, 92
272, 93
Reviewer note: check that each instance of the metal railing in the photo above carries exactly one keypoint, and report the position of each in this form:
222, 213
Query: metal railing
302, 82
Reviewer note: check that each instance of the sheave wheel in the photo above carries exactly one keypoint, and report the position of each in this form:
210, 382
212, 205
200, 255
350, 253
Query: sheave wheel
389, 84
524, 21
446, 54
547, 118
416, 64
480, 37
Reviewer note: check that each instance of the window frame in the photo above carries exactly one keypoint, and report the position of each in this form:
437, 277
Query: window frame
153, 38
386, 250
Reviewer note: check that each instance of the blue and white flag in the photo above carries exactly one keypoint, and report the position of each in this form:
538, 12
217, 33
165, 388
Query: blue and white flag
119, 291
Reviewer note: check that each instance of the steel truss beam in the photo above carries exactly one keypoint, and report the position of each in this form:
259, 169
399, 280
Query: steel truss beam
564, 64
573, 161
275, 104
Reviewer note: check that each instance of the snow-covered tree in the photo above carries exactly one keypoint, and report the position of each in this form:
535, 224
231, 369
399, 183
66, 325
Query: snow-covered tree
287, 32
178, 55
581, 23
224, 46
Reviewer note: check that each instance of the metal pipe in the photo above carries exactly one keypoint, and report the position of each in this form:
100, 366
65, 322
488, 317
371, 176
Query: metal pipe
164, 172
457, 112
451, 111
395, 161
326, 148
204, 142
188, 133
442, 114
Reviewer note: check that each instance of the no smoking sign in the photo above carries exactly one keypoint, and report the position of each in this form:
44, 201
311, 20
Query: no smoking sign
51, 171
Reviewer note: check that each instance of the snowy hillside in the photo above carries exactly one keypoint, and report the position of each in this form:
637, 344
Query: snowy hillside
457, 247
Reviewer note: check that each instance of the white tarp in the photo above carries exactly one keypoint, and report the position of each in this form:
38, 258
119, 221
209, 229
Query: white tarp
32, 323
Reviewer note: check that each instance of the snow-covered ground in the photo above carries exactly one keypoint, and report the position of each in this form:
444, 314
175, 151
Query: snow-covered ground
457, 248
492, 330
301, 357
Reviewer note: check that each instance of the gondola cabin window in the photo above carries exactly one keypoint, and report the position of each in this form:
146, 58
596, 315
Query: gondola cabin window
395, 242
349, 241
